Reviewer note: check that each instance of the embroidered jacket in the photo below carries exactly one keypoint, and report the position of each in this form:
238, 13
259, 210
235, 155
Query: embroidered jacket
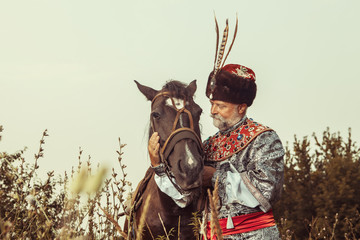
224, 144
248, 159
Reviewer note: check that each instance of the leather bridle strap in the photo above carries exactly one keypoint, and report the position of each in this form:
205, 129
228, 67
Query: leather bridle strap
179, 111
176, 135
171, 141
189, 132
178, 116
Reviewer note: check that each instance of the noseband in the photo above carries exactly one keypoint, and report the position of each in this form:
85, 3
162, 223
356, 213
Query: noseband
176, 135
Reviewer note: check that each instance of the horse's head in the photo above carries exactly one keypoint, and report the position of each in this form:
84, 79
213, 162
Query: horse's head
175, 116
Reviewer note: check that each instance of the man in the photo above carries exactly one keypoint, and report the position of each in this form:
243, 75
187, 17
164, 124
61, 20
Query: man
244, 155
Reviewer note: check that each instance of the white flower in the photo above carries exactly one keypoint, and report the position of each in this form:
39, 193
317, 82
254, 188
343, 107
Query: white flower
78, 182
94, 183
31, 201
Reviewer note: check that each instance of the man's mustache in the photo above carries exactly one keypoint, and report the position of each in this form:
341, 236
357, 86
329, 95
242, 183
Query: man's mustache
217, 117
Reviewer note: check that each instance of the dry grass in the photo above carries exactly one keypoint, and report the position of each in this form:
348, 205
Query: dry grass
78, 206
214, 205
142, 219
86, 205
321, 228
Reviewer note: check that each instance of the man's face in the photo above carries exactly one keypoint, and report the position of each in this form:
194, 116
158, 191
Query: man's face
224, 114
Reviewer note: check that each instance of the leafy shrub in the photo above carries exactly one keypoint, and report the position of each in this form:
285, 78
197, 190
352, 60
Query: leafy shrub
322, 188
35, 209
320, 198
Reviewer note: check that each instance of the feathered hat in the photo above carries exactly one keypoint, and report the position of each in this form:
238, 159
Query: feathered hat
230, 83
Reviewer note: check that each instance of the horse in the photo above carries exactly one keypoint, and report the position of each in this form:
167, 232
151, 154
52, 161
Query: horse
175, 116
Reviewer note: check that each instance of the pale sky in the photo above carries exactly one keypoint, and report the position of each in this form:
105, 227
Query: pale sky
68, 66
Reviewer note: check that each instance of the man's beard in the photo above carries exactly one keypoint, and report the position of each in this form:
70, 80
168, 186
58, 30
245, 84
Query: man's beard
224, 124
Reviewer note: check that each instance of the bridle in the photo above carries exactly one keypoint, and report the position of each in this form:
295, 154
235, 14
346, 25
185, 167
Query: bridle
176, 135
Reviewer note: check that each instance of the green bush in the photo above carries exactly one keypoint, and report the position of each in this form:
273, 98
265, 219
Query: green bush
322, 188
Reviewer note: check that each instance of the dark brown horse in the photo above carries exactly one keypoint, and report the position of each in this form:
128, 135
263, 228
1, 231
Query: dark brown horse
175, 116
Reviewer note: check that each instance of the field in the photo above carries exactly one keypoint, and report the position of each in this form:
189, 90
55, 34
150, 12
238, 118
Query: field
320, 199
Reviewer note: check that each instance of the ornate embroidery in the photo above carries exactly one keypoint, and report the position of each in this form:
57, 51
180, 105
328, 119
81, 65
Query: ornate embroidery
243, 72
220, 147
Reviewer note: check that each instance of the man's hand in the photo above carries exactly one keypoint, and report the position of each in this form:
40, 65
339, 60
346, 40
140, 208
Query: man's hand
153, 148
208, 173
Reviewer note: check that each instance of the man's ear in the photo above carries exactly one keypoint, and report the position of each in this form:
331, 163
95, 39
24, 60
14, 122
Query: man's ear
242, 108
148, 92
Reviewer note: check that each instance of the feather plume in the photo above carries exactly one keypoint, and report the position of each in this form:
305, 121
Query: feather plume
217, 39
222, 46
232, 43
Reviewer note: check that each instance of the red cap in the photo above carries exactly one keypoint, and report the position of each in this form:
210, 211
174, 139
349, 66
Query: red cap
233, 83
240, 71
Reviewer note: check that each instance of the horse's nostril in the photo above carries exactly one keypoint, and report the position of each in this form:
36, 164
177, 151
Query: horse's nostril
195, 183
179, 165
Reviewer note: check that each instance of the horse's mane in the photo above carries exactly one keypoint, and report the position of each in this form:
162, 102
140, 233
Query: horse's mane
177, 88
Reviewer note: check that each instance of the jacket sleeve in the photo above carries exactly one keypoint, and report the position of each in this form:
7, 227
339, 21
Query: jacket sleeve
264, 173
259, 172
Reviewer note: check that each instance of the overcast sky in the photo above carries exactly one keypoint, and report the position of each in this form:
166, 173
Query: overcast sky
68, 66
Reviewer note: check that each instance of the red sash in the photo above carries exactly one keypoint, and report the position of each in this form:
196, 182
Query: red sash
245, 223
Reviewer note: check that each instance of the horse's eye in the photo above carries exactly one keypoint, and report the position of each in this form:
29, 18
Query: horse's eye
155, 115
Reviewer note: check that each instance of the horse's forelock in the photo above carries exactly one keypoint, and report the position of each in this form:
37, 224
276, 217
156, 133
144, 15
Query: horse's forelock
178, 89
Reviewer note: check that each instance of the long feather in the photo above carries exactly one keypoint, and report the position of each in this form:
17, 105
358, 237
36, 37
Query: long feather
232, 43
217, 39
222, 47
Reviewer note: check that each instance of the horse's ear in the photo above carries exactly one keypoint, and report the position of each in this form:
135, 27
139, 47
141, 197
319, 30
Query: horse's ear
147, 91
191, 88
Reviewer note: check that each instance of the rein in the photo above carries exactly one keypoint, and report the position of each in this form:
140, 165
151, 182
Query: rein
177, 134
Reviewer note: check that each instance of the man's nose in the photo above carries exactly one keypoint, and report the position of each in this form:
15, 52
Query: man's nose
213, 109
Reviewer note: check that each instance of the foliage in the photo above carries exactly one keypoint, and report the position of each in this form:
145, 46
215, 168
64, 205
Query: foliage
196, 224
320, 198
35, 209
321, 189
